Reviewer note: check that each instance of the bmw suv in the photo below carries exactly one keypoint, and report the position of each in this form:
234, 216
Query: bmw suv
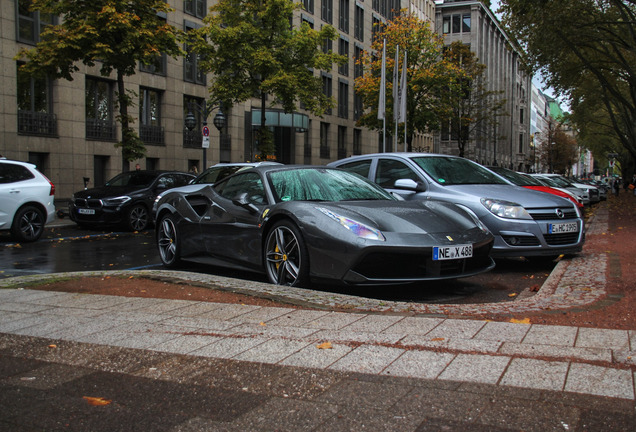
524, 222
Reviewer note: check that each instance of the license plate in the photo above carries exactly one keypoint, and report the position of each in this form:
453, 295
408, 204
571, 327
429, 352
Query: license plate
86, 211
452, 252
563, 228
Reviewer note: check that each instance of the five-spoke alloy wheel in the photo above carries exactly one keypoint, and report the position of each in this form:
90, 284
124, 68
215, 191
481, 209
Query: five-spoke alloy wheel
286, 258
168, 242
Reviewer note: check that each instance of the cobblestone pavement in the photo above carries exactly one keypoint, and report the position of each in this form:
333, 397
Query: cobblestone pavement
390, 341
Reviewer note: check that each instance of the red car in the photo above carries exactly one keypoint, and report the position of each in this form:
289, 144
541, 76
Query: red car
530, 183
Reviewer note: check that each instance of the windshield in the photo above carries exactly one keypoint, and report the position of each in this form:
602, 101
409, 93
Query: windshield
215, 174
132, 178
312, 184
449, 171
560, 181
515, 177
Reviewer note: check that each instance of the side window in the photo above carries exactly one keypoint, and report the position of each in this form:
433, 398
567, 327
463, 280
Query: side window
359, 167
391, 170
167, 182
11, 173
249, 182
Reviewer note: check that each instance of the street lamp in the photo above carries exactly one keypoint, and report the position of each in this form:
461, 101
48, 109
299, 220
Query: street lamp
205, 109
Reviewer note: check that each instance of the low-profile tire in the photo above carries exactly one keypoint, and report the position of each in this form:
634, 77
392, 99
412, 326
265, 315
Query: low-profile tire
138, 218
169, 241
28, 224
285, 255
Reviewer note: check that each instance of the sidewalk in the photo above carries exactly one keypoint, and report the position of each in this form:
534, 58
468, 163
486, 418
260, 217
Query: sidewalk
460, 356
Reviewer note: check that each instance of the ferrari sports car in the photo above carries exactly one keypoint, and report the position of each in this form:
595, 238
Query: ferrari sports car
303, 224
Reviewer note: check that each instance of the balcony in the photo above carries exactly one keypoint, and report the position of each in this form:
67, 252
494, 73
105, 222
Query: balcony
37, 123
152, 135
104, 130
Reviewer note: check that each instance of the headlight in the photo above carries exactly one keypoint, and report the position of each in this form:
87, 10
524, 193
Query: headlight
505, 209
116, 202
358, 228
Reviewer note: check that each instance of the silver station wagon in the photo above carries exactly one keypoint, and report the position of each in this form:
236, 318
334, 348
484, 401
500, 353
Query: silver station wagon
524, 222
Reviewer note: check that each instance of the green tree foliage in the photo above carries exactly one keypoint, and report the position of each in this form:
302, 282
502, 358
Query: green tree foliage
116, 34
253, 51
556, 150
585, 49
473, 110
427, 73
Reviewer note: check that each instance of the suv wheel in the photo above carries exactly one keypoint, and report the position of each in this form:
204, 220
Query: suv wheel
138, 218
28, 224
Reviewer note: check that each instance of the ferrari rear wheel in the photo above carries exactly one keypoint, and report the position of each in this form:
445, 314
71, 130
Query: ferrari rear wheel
168, 242
286, 257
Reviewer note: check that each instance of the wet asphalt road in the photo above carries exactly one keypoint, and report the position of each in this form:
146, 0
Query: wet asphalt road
70, 248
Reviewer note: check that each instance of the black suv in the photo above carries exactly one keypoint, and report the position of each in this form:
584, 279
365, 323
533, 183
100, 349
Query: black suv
124, 200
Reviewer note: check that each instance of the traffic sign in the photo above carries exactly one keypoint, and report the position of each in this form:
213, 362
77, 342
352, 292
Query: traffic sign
206, 142
206, 131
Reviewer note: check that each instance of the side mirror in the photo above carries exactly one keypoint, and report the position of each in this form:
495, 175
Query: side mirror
242, 201
410, 185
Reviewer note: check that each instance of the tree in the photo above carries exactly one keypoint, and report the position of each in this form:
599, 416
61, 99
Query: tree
118, 34
253, 51
585, 49
473, 109
556, 150
427, 73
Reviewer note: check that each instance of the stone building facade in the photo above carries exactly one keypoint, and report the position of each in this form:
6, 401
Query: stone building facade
68, 129
508, 142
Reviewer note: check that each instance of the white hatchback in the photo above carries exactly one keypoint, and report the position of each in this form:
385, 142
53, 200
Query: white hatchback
26, 200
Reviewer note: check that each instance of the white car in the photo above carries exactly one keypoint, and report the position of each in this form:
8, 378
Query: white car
26, 200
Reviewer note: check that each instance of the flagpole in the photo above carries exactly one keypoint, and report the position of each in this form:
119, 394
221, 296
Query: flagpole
403, 93
396, 97
382, 97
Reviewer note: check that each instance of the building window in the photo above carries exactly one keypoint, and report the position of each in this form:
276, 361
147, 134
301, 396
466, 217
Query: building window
99, 109
520, 143
156, 67
327, 88
35, 110
343, 22
342, 142
466, 23
324, 140
343, 49
446, 24
31, 24
309, 6
376, 28
192, 71
327, 46
456, 23
150, 129
358, 24
521, 116
357, 141
198, 8
327, 11
343, 99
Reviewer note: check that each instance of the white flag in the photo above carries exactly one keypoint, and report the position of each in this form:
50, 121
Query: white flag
382, 99
402, 112
396, 91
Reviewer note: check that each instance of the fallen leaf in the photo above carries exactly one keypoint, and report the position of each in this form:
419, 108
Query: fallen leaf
97, 401
52, 346
262, 324
438, 339
324, 345
512, 295
521, 321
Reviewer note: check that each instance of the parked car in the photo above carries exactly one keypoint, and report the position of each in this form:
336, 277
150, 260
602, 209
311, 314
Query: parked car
219, 171
125, 200
301, 223
524, 222
531, 183
559, 182
26, 200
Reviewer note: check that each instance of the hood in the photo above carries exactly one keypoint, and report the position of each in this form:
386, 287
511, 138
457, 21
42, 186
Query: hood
515, 194
108, 191
405, 216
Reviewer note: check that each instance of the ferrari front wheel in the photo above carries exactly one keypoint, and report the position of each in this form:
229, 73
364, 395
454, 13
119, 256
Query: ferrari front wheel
286, 257
168, 242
